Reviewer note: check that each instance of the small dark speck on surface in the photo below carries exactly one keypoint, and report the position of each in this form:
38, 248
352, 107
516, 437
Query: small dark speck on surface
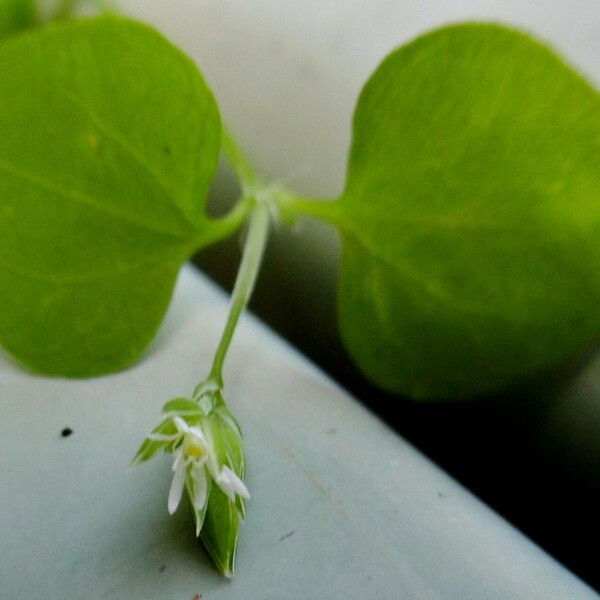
167, 150
162, 568
331, 430
287, 535
440, 495
66, 432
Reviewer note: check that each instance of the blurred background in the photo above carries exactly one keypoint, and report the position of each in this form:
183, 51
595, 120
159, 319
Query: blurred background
286, 75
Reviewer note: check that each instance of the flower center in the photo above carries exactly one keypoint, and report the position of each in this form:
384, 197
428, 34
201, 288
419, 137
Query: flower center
192, 449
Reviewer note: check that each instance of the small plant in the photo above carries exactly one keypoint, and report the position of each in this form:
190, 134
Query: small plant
470, 221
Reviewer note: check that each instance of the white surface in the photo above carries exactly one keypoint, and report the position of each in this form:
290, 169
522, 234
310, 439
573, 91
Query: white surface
342, 508
287, 73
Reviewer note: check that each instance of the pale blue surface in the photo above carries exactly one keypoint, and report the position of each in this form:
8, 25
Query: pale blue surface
342, 508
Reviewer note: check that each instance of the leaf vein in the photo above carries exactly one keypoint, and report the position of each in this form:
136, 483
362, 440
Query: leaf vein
80, 198
74, 280
435, 291
117, 139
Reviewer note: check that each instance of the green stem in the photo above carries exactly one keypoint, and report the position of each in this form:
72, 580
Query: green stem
259, 198
254, 247
227, 225
247, 174
291, 207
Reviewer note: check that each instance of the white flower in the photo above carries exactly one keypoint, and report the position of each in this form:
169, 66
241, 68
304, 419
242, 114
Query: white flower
195, 458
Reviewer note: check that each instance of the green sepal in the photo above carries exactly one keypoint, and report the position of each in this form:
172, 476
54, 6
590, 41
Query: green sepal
227, 438
220, 530
183, 407
150, 448
223, 518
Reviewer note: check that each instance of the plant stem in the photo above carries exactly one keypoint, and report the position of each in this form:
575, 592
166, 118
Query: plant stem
260, 199
254, 247
225, 226
247, 174
289, 205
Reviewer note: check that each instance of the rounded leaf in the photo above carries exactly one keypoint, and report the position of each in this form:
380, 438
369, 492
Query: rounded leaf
471, 215
110, 139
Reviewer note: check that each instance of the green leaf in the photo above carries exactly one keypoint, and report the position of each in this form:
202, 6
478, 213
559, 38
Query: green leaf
15, 16
110, 139
471, 215
223, 518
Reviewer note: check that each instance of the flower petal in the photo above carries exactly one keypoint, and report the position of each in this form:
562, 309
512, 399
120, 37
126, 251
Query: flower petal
161, 437
178, 459
212, 466
199, 512
231, 484
200, 487
181, 425
177, 485
199, 434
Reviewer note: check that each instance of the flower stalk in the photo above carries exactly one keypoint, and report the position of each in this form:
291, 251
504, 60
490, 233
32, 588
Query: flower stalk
246, 278
200, 432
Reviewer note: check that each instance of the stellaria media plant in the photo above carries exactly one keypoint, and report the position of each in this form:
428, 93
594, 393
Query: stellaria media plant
470, 221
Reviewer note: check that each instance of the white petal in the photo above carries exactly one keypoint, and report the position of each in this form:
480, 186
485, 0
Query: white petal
212, 466
231, 484
178, 459
198, 433
161, 437
206, 403
177, 484
181, 425
200, 487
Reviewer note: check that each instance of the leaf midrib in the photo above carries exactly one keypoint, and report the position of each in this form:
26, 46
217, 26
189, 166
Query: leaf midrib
81, 198
405, 271
128, 149
75, 280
